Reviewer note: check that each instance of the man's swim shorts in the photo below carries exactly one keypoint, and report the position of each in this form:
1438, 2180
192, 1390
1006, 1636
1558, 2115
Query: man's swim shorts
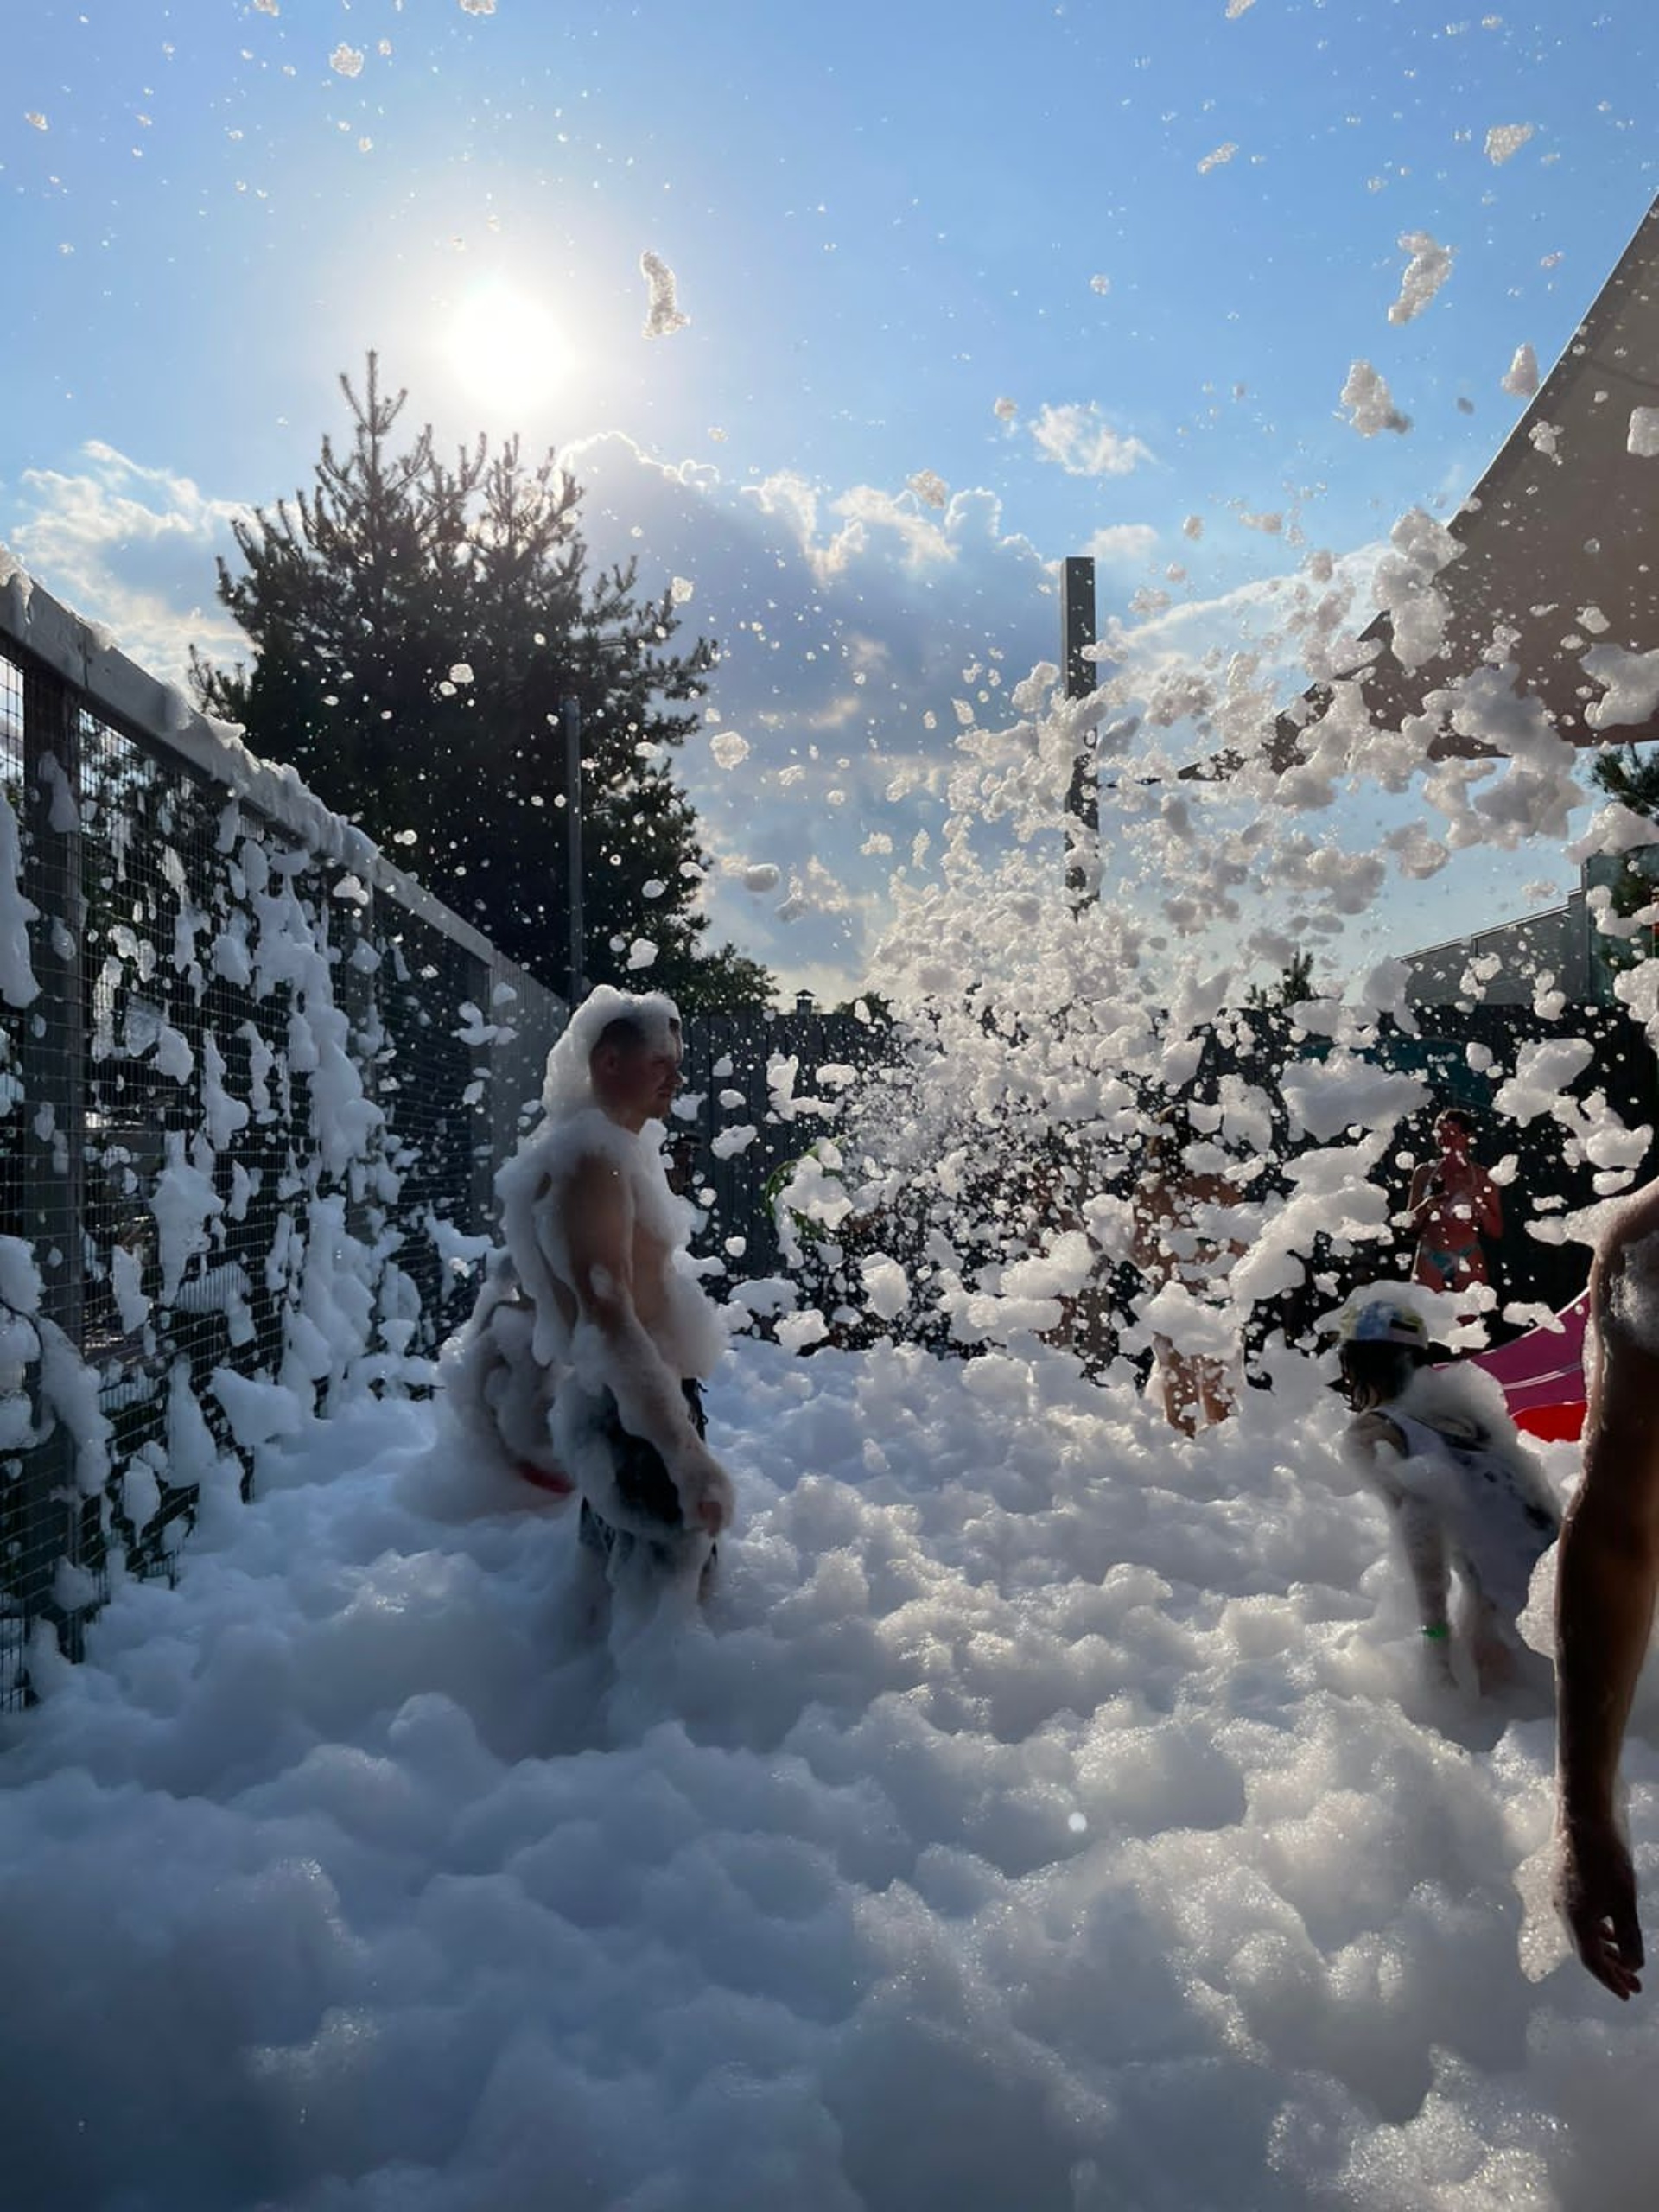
643, 1486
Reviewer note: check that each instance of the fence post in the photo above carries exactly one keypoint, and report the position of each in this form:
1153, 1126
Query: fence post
53, 1197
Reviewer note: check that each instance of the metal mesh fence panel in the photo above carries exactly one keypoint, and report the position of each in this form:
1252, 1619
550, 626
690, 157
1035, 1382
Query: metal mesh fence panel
738, 1065
246, 1141
433, 1090
28, 1552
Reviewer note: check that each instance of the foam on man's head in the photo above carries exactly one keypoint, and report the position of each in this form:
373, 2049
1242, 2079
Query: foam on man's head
569, 1082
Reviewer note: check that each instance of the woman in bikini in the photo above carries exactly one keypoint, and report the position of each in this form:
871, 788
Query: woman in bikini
1453, 1204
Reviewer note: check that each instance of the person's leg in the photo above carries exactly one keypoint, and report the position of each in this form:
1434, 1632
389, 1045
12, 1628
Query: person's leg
590, 1586
1183, 1396
672, 1554
1215, 1391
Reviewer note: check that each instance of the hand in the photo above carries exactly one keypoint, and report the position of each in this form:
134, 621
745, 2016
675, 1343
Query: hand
1595, 1895
706, 1495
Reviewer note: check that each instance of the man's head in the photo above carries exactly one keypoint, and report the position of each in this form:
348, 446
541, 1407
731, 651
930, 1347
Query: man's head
619, 1028
1383, 1344
634, 1067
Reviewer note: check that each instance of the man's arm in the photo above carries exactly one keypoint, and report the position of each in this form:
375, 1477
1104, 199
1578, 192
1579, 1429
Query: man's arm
1607, 1573
598, 1218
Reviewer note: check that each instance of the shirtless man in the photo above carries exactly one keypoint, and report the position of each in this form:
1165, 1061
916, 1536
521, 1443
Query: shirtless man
598, 1242
1453, 1203
1606, 1578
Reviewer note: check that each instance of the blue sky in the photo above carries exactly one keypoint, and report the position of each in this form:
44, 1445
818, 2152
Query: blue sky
882, 220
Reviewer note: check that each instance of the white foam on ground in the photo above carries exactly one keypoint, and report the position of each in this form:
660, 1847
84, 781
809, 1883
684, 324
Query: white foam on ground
1048, 1815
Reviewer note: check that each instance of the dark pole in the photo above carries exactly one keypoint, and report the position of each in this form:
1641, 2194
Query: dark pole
571, 710
1083, 800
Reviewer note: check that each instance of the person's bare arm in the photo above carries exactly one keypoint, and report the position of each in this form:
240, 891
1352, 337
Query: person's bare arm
1420, 1199
1606, 1578
1376, 1445
598, 1214
1490, 1205
1149, 1221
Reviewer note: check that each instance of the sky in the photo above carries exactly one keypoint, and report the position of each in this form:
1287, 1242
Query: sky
966, 292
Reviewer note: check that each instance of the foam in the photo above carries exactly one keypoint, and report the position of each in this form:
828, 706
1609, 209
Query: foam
1047, 1812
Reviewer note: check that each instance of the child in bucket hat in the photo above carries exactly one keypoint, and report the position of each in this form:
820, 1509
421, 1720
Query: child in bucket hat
1465, 1497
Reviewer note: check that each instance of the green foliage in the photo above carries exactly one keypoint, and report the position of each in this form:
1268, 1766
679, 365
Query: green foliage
1634, 782
1627, 777
1294, 987
416, 626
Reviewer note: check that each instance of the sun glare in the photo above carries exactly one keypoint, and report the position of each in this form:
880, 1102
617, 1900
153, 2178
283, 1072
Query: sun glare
507, 350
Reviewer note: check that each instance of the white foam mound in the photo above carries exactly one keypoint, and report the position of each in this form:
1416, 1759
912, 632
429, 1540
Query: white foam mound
1047, 1816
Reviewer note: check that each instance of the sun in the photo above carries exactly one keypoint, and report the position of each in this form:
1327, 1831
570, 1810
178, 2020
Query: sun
507, 349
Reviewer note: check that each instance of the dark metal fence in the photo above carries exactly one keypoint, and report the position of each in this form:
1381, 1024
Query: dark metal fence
252, 1084
759, 1088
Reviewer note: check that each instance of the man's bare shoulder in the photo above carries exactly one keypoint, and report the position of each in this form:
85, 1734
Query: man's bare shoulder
1631, 1223
589, 1156
1625, 1288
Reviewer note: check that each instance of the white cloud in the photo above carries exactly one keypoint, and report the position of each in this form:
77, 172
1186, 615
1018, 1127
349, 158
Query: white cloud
857, 628
1083, 443
132, 547
1123, 544
845, 619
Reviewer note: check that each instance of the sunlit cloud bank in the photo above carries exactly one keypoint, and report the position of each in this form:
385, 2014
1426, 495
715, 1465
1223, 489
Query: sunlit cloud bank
1083, 443
858, 629
130, 547
862, 632
850, 626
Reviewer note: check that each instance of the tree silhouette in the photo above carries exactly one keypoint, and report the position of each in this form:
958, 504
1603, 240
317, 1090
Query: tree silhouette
415, 626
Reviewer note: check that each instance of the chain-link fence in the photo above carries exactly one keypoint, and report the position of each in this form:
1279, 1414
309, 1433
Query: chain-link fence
252, 1084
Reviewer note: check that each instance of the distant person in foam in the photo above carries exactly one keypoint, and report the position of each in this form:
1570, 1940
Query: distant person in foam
1606, 1582
1453, 1204
597, 1242
1467, 1497
1176, 1204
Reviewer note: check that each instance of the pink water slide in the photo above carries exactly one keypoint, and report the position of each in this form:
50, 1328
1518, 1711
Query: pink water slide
1543, 1373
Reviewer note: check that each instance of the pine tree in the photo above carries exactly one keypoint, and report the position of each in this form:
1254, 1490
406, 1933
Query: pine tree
416, 626
1294, 985
1634, 782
